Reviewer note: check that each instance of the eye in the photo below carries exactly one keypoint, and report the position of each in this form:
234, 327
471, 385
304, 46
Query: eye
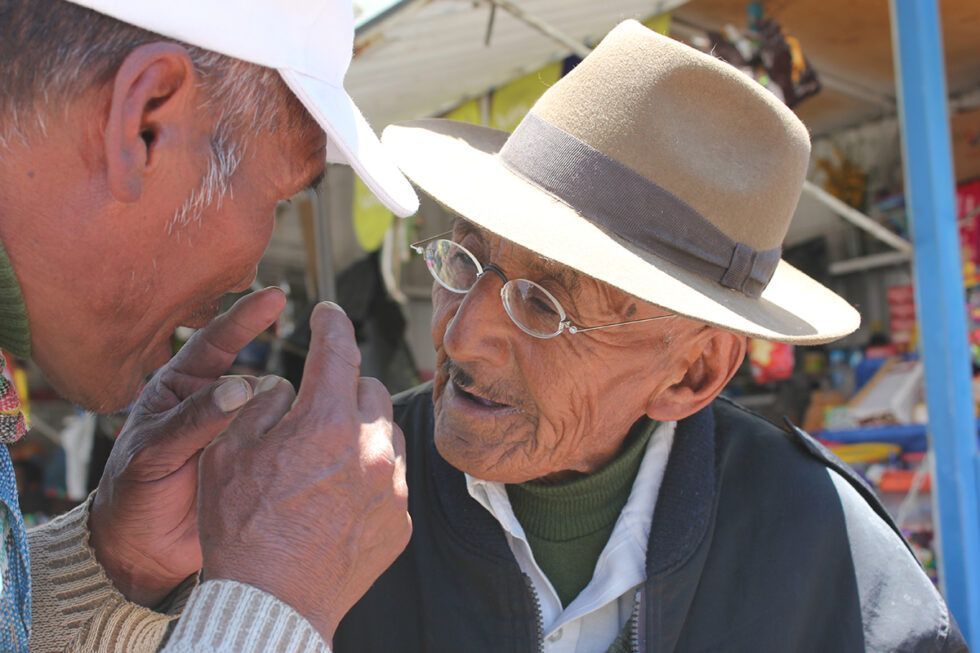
461, 259
543, 306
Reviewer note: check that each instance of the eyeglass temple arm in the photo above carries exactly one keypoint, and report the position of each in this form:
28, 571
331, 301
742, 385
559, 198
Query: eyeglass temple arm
578, 329
417, 245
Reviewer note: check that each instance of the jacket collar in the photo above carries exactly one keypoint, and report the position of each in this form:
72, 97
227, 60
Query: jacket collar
680, 536
687, 495
681, 519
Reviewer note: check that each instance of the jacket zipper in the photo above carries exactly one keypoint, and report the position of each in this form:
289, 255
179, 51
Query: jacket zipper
635, 624
537, 612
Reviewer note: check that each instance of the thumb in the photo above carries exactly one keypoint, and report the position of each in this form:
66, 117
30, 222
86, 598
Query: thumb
191, 425
231, 393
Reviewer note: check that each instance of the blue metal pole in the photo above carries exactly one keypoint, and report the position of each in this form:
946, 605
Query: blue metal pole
929, 191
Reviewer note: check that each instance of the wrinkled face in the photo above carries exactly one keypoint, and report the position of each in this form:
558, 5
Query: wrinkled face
510, 407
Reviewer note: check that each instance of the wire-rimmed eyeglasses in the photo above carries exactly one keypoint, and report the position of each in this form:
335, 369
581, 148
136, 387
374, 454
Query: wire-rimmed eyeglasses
531, 307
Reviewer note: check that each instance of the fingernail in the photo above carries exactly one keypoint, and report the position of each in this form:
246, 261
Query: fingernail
232, 394
266, 383
336, 307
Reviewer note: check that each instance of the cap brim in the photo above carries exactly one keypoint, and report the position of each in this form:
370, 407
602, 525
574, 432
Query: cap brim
456, 163
351, 140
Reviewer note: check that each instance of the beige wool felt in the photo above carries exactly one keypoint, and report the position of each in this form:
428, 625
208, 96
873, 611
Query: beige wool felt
689, 123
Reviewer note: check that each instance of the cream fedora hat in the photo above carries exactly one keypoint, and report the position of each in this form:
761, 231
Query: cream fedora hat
652, 167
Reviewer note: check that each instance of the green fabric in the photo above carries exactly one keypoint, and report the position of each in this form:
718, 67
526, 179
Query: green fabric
568, 524
15, 336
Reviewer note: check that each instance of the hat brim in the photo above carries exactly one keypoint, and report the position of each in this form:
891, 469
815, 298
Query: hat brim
351, 140
456, 164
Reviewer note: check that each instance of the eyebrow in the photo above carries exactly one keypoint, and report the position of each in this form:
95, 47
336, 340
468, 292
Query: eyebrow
562, 275
568, 279
466, 228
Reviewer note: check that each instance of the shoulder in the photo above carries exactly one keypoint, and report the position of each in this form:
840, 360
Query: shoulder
770, 481
816, 512
749, 443
786, 468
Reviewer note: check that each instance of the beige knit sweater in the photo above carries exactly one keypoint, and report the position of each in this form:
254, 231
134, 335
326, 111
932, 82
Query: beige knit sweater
76, 608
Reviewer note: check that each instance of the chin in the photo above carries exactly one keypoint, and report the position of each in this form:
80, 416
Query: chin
457, 453
101, 387
97, 397
477, 461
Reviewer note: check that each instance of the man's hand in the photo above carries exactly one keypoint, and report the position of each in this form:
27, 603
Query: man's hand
304, 495
144, 517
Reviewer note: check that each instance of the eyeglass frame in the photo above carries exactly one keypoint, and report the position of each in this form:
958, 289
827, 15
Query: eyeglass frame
564, 323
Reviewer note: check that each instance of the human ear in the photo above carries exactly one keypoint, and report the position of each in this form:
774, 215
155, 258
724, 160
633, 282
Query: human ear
151, 93
707, 365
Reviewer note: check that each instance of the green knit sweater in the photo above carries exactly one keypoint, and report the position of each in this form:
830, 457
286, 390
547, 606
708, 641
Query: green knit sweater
568, 524
15, 336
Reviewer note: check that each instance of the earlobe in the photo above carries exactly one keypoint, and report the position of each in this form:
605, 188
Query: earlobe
713, 359
151, 86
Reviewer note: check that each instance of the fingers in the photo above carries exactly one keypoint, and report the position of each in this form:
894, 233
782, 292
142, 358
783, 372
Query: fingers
212, 350
375, 407
231, 393
373, 400
191, 425
273, 398
398, 443
330, 378
399, 475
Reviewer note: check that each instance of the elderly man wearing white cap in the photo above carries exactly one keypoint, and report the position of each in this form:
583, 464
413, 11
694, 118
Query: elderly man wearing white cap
143, 147
576, 485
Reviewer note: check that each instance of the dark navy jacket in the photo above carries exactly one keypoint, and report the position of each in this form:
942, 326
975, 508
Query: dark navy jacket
761, 541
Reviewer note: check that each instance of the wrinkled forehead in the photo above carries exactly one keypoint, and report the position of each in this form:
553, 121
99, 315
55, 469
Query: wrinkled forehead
582, 289
568, 277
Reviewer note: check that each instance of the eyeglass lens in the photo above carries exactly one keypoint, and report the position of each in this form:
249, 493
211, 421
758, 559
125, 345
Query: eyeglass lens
531, 307
451, 265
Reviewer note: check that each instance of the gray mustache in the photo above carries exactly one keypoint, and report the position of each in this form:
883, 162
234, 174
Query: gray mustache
465, 380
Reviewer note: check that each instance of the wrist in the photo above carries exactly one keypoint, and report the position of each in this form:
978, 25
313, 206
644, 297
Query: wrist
292, 593
127, 573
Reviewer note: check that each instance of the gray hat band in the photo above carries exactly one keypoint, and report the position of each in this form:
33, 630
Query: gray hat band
629, 206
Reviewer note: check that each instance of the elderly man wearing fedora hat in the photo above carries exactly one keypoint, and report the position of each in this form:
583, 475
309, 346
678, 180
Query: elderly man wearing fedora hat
575, 482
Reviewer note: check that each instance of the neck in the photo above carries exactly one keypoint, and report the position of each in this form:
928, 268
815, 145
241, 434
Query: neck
47, 235
29, 255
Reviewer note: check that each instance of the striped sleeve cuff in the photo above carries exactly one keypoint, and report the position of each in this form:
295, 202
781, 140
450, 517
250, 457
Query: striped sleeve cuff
76, 606
228, 616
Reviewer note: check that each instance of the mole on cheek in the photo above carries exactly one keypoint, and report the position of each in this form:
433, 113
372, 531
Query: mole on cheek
30, 173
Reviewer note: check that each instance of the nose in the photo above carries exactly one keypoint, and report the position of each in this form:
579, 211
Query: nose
480, 330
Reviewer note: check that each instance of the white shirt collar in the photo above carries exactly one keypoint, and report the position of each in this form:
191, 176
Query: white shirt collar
622, 563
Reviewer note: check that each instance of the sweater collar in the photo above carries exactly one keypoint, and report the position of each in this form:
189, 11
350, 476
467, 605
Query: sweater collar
15, 335
684, 503
574, 508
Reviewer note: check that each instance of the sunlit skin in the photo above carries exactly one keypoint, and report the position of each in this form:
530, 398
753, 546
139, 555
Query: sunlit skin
86, 221
569, 401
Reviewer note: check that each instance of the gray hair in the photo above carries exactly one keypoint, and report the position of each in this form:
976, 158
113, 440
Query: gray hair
52, 50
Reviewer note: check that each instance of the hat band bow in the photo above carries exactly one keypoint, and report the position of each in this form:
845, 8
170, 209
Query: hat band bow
629, 206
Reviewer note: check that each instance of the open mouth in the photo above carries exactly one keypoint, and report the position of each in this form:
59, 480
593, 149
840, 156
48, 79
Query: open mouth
477, 399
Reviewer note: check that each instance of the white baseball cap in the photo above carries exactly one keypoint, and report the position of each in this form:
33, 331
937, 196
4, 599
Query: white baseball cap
309, 42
